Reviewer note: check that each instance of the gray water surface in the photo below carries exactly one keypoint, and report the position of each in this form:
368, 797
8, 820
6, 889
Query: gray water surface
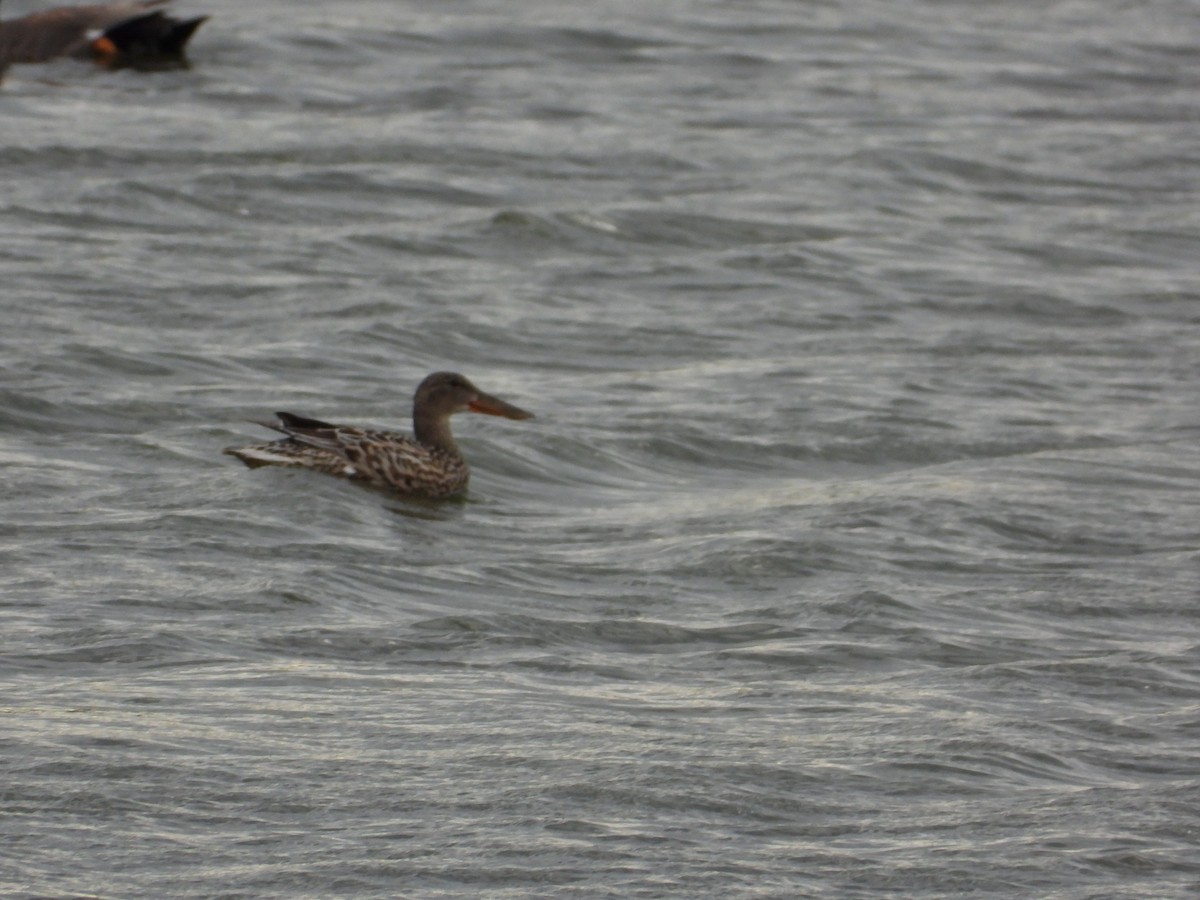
853, 550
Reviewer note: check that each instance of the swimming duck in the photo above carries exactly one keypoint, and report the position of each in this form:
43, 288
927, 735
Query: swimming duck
114, 35
428, 466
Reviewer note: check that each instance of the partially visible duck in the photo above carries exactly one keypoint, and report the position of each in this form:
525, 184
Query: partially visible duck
430, 465
114, 35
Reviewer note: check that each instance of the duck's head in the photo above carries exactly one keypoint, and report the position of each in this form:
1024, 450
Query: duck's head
443, 394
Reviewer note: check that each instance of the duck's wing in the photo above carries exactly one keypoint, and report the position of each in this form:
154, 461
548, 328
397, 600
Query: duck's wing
292, 454
304, 447
315, 433
383, 457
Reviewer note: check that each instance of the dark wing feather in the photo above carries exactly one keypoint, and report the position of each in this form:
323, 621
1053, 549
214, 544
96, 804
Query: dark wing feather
290, 421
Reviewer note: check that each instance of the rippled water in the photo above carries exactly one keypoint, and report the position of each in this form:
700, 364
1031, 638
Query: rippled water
853, 551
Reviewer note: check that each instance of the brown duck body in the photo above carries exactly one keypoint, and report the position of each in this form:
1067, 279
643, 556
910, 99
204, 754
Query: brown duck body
428, 465
383, 459
131, 33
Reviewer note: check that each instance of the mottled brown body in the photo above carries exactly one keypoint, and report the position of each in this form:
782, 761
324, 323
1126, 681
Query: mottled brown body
382, 459
428, 466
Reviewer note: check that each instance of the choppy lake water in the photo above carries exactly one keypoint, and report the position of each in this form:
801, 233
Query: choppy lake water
853, 550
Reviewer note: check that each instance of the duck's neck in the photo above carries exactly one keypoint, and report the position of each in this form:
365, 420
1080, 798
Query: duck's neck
434, 432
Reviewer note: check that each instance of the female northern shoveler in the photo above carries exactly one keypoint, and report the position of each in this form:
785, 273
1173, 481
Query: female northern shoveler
130, 33
430, 466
